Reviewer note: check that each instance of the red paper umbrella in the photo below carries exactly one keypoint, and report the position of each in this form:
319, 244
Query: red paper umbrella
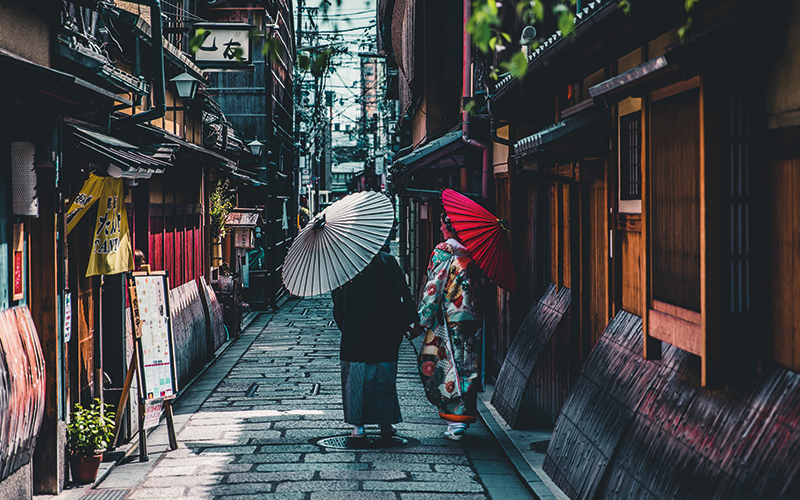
484, 236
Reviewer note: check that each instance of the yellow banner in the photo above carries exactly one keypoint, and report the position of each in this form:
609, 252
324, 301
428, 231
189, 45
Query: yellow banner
111, 249
88, 195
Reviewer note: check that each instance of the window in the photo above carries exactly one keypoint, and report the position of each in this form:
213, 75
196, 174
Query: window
675, 200
630, 152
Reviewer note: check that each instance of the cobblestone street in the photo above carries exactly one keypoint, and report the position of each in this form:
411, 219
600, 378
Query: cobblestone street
249, 427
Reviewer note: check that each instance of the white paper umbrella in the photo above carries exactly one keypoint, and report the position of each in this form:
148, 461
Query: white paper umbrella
338, 244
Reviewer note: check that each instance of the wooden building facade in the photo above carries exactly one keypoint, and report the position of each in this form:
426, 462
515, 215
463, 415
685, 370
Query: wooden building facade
651, 177
88, 93
258, 103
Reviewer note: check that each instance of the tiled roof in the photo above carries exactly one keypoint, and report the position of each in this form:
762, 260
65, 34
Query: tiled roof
581, 17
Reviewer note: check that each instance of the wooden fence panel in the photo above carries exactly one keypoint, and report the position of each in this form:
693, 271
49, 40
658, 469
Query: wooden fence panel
189, 331
22, 388
636, 428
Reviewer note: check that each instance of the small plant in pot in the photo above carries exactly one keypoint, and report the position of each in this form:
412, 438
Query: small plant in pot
89, 433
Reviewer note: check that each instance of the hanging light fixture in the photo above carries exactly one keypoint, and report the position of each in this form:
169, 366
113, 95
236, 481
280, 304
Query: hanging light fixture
186, 85
255, 147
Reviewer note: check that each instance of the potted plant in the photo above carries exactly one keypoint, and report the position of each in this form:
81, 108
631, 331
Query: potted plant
89, 433
219, 207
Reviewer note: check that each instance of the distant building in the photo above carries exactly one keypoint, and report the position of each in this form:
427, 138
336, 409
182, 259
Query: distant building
342, 177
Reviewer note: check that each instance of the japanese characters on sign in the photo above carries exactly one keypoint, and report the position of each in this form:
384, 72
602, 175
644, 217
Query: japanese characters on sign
111, 249
223, 45
156, 336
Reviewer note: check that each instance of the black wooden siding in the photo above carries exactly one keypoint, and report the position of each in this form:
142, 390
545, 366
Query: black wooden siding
522, 400
646, 429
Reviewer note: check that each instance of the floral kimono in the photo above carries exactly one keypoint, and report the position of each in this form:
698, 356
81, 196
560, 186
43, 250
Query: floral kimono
451, 313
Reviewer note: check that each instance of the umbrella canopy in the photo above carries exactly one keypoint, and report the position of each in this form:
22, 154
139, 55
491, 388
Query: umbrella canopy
338, 243
484, 236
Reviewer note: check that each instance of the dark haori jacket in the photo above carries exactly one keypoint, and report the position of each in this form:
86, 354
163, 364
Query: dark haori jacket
373, 310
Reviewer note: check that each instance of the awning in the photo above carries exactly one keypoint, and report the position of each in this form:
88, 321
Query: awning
125, 160
247, 179
545, 138
57, 88
446, 151
637, 81
244, 217
162, 136
681, 61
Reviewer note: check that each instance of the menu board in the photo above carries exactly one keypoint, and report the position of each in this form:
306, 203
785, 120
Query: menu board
150, 297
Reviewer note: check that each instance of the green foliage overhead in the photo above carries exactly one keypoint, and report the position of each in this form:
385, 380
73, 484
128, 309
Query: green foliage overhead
485, 26
91, 429
220, 205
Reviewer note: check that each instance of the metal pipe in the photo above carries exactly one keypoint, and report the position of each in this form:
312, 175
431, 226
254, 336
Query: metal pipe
159, 86
466, 83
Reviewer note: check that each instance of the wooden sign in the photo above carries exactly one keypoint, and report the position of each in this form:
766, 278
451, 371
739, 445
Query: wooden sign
137, 320
243, 237
224, 45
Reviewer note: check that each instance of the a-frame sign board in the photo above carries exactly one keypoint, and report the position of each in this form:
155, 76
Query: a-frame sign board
153, 360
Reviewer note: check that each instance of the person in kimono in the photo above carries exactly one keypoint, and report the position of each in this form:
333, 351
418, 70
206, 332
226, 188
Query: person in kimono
373, 311
451, 317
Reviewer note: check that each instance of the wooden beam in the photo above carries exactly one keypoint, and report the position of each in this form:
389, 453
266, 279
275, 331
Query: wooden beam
43, 297
652, 346
675, 331
712, 289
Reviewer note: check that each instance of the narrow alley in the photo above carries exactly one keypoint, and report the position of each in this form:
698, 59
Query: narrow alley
249, 427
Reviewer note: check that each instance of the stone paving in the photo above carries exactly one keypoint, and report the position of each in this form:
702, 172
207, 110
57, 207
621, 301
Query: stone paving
254, 435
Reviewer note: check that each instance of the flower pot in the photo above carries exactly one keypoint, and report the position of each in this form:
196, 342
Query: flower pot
84, 467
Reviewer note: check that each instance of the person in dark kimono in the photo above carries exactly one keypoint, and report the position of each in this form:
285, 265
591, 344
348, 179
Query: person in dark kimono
373, 311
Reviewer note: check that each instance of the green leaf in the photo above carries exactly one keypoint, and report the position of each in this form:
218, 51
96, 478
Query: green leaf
517, 65
469, 107
506, 36
197, 40
566, 20
303, 62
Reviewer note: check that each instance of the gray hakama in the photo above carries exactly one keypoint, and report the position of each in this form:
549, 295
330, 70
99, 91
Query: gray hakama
369, 393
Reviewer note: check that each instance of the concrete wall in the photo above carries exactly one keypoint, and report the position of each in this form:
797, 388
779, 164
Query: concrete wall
19, 485
24, 33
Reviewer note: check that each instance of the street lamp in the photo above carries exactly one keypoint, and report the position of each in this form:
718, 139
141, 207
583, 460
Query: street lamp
186, 85
255, 147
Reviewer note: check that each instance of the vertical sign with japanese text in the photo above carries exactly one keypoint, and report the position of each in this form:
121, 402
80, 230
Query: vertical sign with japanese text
17, 282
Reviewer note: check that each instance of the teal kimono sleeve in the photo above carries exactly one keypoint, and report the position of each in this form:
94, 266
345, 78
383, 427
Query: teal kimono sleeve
434, 288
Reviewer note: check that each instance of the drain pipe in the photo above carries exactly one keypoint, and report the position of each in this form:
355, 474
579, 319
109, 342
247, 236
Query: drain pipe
159, 90
466, 77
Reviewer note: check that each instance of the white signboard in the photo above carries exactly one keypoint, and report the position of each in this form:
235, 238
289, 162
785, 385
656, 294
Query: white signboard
152, 413
380, 165
156, 336
223, 45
